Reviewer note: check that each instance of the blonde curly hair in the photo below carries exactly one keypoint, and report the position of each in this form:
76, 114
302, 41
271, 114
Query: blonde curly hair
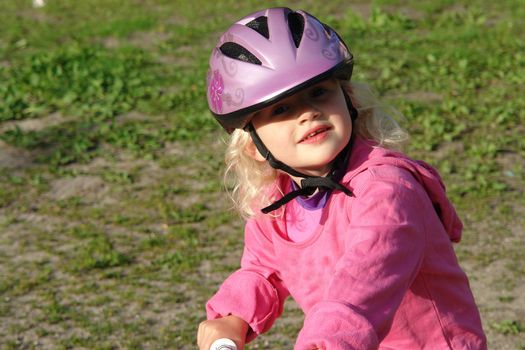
252, 184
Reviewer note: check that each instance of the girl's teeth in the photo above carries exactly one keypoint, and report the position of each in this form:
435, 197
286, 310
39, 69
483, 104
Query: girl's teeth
314, 133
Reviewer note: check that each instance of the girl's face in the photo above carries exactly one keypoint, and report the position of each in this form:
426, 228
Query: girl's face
307, 130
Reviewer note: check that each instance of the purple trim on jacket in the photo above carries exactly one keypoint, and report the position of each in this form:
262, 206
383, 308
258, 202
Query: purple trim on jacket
314, 202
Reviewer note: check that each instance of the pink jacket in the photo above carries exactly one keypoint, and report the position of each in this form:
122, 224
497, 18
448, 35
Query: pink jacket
378, 273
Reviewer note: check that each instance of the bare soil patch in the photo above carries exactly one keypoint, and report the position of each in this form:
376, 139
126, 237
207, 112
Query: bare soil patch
14, 158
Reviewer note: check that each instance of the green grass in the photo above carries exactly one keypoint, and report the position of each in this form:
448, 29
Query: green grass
113, 228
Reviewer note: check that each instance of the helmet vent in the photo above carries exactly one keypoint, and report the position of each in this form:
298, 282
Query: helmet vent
296, 25
260, 25
238, 52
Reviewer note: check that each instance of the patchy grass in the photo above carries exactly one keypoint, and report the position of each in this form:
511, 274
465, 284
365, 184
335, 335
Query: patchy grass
114, 228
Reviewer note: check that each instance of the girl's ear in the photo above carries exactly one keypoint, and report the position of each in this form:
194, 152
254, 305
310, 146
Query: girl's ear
252, 152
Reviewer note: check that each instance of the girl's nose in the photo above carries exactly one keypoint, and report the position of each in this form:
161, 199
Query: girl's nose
307, 112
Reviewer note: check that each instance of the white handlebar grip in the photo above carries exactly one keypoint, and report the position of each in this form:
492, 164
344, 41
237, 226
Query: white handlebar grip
223, 344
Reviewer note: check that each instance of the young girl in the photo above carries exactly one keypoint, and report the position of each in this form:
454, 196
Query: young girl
357, 233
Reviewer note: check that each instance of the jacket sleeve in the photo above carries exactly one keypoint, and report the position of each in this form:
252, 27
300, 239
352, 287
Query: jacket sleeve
383, 254
255, 292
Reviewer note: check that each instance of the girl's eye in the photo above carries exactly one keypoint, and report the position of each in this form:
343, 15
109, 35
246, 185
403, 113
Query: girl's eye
280, 110
318, 92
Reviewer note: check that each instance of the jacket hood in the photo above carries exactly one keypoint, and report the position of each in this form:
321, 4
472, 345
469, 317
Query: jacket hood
366, 154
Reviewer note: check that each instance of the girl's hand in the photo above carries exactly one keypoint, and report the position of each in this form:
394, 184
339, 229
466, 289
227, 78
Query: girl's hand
231, 327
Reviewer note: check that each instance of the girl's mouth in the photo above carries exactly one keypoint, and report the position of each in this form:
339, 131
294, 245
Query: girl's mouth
315, 135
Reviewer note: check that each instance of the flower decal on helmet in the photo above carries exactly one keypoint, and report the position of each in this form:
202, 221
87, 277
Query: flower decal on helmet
216, 91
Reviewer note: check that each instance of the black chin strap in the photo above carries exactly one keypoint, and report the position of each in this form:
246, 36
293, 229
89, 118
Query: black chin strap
309, 184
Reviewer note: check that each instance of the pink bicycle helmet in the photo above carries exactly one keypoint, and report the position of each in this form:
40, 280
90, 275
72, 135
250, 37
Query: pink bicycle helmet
267, 56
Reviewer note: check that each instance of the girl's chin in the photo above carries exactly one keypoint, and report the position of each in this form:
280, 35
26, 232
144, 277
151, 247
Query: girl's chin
321, 171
